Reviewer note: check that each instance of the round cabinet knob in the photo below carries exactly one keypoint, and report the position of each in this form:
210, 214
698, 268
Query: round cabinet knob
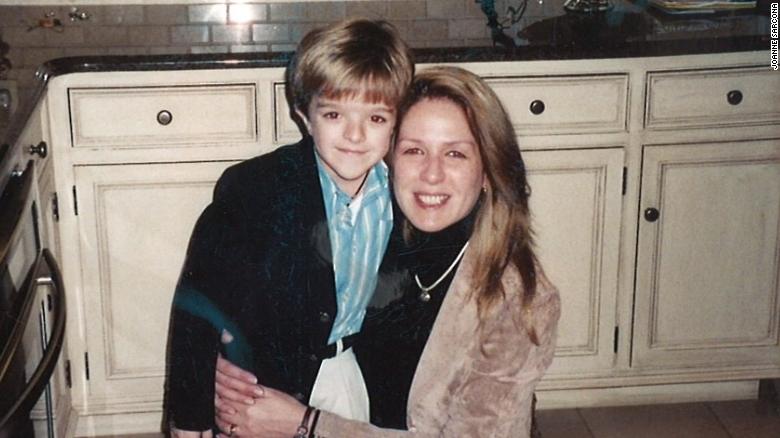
164, 117
734, 97
40, 149
651, 214
537, 107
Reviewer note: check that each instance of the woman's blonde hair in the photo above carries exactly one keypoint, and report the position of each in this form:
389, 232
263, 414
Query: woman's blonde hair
354, 57
502, 233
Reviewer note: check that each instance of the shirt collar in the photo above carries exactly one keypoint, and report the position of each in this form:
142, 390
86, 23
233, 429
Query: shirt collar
376, 182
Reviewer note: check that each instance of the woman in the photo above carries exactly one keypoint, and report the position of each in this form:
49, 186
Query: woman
468, 348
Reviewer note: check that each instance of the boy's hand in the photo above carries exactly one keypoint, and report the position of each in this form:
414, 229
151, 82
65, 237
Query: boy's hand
235, 384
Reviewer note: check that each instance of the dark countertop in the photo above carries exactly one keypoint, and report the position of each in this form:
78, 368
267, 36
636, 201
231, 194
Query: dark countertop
629, 29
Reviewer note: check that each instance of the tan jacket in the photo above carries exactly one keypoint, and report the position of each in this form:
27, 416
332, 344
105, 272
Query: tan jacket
473, 382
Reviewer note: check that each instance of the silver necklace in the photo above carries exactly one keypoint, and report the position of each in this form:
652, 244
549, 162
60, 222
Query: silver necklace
425, 290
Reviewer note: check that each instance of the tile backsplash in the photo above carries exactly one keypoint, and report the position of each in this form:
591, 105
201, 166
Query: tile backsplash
35, 34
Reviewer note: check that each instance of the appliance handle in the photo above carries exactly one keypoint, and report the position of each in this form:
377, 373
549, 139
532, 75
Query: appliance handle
46, 272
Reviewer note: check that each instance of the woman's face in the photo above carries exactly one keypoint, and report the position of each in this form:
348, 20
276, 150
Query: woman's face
437, 169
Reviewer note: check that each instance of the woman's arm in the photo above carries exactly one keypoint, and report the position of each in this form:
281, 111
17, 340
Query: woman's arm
490, 397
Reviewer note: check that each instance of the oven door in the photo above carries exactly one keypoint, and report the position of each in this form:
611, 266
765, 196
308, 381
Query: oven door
32, 311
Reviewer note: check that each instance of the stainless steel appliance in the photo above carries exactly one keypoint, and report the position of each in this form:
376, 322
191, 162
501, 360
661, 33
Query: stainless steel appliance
32, 311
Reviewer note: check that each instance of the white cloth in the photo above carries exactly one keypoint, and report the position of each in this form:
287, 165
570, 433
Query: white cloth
340, 388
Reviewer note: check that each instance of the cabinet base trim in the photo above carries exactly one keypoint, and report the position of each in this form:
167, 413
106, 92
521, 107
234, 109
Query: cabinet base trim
643, 395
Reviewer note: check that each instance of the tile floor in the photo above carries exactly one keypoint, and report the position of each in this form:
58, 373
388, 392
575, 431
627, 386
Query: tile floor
729, 419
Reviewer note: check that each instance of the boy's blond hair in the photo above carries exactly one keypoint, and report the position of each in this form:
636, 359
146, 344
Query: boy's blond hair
352, 58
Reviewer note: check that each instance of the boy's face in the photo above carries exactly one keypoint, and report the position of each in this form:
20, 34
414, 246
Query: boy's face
351, 136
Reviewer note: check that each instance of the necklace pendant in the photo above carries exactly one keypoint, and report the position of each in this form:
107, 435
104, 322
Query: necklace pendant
425, 296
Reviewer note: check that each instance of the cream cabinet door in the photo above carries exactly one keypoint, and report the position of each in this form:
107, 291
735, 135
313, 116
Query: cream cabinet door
135, 222
707, 264
576, 198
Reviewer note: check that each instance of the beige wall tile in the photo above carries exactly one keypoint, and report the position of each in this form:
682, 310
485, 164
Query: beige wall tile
446, 9
232, 33
322, 11
270, 32
283, 47
474, 9
429, 30
18, 15
166, 14
328, 11
149, 35
105, 36
32, 58
247, 13
298, 30
18, 36
69, 37
286, 11
406, 9
369, 9
85, 51
109, 15
189, 34
468, 28
208, 14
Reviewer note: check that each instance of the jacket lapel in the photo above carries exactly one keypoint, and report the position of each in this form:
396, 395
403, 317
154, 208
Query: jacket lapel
448, 344
320, 282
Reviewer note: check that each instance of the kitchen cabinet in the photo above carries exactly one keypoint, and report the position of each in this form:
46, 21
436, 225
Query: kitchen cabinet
686, 299
577, 244
709, 256
708, 261
135, 221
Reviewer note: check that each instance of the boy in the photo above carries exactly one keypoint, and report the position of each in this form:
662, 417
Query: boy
286, 256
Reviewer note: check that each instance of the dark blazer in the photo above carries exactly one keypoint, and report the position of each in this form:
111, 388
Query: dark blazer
258, 264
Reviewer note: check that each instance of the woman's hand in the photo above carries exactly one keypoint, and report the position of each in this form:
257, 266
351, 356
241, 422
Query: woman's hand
234, 388
274, 415
235, 384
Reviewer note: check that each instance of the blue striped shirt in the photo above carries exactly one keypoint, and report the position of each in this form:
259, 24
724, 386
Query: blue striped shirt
358, 244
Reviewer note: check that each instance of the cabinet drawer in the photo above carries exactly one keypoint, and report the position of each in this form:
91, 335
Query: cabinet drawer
705, 98
564, 104
153, 116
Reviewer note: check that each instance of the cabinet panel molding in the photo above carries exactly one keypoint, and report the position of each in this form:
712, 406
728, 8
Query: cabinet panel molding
712, 257
285, 129
136, 221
